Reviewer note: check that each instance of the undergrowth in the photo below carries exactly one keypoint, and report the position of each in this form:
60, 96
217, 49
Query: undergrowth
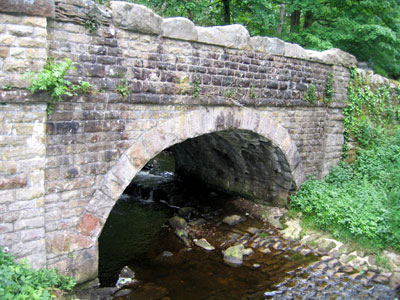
360, 202
19, 282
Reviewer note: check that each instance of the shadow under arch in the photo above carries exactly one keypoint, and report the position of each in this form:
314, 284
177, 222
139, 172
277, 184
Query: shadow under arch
188, 125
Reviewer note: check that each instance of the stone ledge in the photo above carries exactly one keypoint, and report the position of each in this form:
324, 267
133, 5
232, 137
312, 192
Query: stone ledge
43, 8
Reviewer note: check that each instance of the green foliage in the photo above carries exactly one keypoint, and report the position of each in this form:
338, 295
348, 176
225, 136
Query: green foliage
311, 95
362, 199
329, 89
7, 87
19, 282
123, 88
369, 110
51, 79
252, 94
196, 88
91, 23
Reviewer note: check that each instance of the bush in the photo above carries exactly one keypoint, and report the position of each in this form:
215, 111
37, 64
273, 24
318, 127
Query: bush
362, 199
19, 282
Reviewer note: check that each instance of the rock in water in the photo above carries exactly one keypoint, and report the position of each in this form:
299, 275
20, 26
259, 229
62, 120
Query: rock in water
127, 273
203, 243
233, 220
233, 256
177, 223
185, 212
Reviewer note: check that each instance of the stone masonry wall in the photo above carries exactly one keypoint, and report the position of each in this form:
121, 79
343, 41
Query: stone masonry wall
51, 177
22, 167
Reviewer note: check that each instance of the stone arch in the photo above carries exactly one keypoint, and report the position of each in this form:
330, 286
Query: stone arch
188, 125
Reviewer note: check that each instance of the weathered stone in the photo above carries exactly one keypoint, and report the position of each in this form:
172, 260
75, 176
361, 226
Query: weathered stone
12, 182
179, 28
294, 50
233, 220
268, 45
44, 8
394, 280
89, 225
233, 256
332, 56
203, 243
135, 17
177, 223
293, 230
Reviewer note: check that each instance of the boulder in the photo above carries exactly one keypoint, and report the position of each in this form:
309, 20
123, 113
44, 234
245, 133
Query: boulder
179, 28
177, 223
233, 220
203, 243
233, 256
135, 17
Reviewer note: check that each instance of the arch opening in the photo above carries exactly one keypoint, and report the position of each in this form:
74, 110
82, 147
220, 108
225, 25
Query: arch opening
198, 174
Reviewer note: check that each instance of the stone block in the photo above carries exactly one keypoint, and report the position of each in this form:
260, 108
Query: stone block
32, 42
13, 182
4, 52
90, 225
9, 239
295, 51
6, 227
34, 21
44, 8
17, 53
19, 30
23, 249
36, 222
268, 45
32, 234
179, 28
21, 205
135, 17
8, 40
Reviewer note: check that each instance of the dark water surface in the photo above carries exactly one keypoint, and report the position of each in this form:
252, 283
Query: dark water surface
136, 235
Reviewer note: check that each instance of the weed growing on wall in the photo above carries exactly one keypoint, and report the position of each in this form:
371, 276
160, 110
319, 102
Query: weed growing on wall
19, 282
311, 95
123, 88
51, 79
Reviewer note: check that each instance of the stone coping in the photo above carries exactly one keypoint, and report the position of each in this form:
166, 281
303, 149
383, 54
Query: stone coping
138, 18
43, 8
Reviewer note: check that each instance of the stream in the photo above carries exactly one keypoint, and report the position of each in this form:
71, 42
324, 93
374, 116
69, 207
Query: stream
169, 267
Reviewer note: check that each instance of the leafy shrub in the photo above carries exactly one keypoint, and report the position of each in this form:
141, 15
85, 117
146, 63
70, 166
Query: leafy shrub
311, 95
362, 199
19, 282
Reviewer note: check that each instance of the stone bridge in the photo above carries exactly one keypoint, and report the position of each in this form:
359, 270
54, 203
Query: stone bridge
232, 107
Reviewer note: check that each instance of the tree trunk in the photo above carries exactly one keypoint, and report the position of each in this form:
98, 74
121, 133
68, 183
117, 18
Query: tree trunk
308, 20
295, 21
283, 12
227, 11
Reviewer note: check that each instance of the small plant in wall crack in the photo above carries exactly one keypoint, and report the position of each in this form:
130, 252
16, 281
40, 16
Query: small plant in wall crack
123, 88
252, 94
51, 79
311, 95
196, 88
91, 23
329, 89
